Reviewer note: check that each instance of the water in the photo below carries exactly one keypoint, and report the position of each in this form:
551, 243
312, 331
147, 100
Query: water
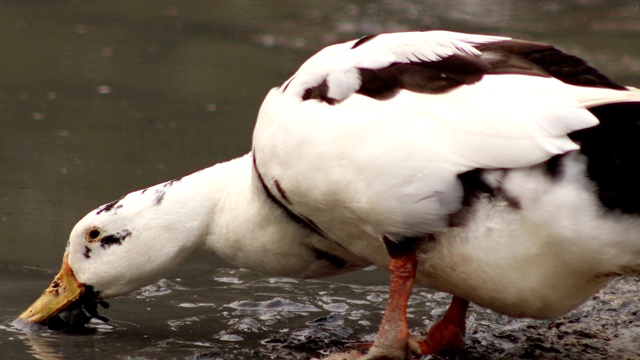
98, 99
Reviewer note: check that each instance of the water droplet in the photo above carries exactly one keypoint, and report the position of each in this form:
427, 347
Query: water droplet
268, 40
192, 305
248, 325
104, 89
299, 42
106, 51
331, 320
162, 287
172, 11
282, 280
211, 107
337, 307
51, 96
277, 303
63, 133
80, 29
231, 337
38, 116
229, 280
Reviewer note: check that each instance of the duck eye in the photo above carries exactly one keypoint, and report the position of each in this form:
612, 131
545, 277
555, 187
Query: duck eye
94, 234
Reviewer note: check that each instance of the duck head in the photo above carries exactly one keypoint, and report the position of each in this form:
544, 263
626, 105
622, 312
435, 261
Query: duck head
122, 246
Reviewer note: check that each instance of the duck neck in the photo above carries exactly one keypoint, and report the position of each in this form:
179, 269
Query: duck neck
248, 228
211, 206
225, 209
251, 231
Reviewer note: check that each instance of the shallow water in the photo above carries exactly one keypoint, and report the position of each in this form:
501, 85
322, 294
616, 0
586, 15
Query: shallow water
98, 99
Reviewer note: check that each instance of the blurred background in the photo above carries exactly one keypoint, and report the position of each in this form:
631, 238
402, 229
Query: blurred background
99, 98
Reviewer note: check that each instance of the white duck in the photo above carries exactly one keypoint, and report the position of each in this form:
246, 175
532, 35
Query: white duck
501, 171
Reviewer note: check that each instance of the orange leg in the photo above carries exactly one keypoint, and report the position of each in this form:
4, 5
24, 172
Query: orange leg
393, 339
448, 333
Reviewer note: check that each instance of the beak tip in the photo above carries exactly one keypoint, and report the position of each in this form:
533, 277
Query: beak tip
24, 324
64, 290
29, 317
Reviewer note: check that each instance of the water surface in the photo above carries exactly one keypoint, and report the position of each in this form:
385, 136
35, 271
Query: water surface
101, 98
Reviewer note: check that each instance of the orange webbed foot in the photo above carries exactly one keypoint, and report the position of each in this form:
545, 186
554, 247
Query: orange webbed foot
393, 341
448, 333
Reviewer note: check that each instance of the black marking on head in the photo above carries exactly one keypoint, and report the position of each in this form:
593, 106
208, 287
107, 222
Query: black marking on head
144, 191
87, 252
319, 92
283, 195
612, 149
363, 40
110, 206
159, 197
114, 239
307, 94
301, 220
335, 260
524, 57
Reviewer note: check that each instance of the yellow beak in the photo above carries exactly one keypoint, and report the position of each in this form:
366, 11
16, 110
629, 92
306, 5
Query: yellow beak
64, 290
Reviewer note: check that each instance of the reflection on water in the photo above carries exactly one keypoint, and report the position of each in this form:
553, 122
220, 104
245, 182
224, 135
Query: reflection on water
101, 98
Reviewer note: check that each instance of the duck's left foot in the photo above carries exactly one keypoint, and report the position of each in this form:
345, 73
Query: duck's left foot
393, 341
448, 333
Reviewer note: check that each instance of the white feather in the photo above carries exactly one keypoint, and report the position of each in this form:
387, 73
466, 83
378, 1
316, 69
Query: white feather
409, 150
